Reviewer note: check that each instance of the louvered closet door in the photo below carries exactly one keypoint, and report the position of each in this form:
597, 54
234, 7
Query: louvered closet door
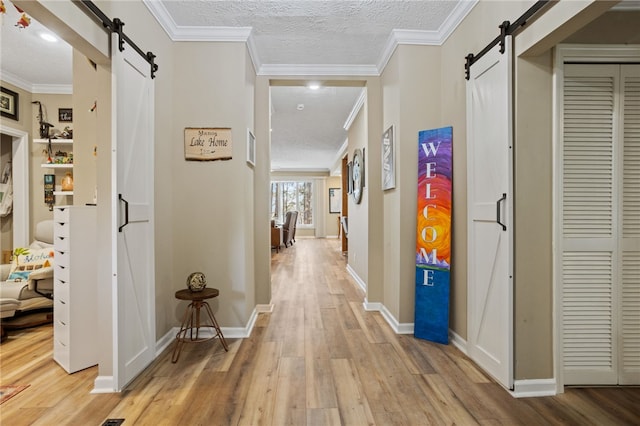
600, 296
630, 244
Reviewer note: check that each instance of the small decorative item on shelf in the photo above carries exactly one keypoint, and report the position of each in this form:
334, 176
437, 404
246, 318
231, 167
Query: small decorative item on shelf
67, 133
67, 182
49, 186
63, 157
196, 281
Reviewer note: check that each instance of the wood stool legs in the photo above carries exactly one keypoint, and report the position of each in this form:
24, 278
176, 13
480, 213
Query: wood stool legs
188, 325
217, 327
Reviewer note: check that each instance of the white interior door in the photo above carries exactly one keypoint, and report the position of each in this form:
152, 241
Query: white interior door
600, 224
489, 200
132, 200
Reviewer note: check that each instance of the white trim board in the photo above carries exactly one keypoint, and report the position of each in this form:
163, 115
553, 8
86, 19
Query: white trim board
534, 388
20, 151
104, 384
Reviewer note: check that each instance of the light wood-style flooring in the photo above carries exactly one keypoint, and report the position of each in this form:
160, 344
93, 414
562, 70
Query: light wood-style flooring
318, 359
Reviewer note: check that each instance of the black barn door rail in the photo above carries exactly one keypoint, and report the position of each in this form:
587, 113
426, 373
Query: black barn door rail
116, 26
506, 28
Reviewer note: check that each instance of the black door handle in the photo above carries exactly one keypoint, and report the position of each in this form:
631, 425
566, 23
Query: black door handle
504, 197
126, 212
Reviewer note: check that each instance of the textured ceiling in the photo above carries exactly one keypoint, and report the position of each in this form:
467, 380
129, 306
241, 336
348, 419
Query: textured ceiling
327, 37
282, 35
307, 125
315, 32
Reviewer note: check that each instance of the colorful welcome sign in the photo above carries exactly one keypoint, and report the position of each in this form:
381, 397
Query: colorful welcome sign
433, 243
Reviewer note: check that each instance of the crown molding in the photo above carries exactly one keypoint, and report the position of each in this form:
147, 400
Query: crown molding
425, 38
342, 151
244, 34
282, 172
234, 34
318, 69
456, 17
356, 109
415, 37
16, 81
194, 33
253, 53
53, 89
161, 14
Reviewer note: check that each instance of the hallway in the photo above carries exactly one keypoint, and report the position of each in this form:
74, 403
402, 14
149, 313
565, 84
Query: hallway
317, 359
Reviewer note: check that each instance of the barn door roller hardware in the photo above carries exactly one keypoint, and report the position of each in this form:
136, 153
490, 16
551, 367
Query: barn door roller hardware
116, 26
506, 28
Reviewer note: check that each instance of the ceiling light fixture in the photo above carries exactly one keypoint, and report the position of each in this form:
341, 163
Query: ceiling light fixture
300, 107
314, 86
48, 37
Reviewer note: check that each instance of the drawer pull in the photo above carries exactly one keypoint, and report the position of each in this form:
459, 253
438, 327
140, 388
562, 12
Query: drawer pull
126, 212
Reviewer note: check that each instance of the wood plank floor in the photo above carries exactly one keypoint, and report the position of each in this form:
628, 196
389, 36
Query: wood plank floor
317, 359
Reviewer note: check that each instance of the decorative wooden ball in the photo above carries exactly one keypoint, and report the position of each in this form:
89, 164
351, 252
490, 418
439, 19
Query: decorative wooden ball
196, 281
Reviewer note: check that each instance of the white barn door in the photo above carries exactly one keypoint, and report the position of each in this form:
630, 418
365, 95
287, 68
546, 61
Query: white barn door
132, 223
489, 203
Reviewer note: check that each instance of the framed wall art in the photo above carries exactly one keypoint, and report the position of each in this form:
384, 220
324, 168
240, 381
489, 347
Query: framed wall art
251, 148
9, 105
335, 200
65, 115
388, 160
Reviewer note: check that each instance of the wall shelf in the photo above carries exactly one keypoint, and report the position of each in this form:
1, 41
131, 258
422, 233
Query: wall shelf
56, 166
62, 192
54, 141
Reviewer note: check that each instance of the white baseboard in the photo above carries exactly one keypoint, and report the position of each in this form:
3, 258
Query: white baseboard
357, 279
534, 387
521, 388
241, 332
458, 342
397, 327
166, 340
264, 308
371, 306
103, 384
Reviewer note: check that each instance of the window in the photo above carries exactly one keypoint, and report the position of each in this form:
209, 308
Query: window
292, 195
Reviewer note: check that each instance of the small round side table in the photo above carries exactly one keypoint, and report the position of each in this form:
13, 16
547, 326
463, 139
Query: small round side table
191, 320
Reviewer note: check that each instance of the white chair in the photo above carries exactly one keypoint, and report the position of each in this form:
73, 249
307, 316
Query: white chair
34, 293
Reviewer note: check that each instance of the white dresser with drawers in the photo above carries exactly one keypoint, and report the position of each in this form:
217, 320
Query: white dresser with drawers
75, 275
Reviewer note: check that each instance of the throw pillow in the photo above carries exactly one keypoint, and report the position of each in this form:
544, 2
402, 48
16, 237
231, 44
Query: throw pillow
27, 260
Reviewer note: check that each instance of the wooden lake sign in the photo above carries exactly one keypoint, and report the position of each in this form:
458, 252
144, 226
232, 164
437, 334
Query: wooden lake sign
207, 143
